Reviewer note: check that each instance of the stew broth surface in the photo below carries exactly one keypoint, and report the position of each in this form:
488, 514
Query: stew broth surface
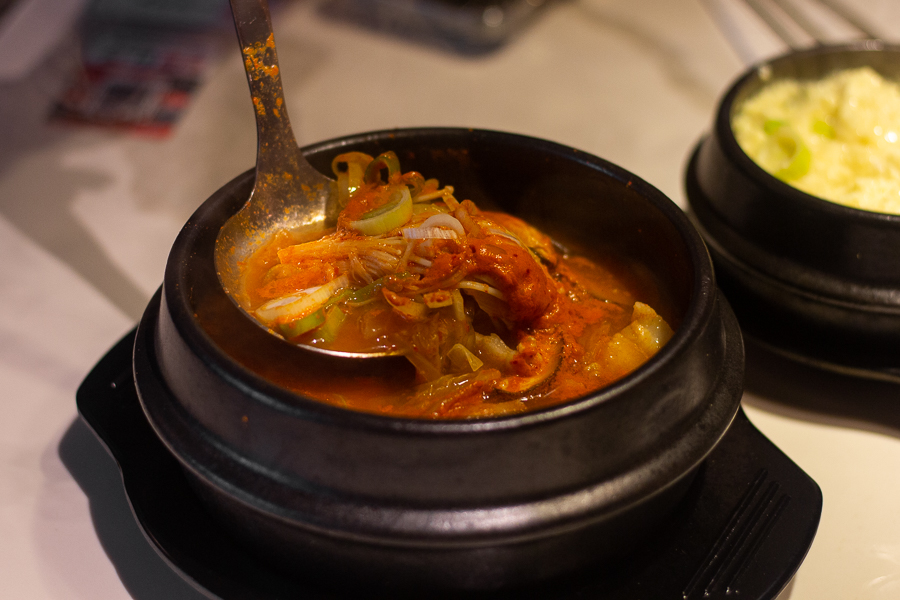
493, 316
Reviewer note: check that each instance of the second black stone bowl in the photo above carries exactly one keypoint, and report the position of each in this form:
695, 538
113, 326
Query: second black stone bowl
455, 505
811, 279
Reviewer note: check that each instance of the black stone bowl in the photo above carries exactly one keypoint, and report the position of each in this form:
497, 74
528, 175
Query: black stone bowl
811, 279
367, 499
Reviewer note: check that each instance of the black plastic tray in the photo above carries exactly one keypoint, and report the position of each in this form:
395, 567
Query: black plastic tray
742, 530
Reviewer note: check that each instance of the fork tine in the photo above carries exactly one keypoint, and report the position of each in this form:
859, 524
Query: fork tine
840, 10
784, 18
801, 19
780, 24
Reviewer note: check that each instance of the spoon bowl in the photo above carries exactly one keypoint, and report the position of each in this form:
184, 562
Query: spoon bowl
288, 192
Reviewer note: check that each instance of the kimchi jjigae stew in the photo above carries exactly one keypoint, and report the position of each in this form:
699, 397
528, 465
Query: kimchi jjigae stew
494, 316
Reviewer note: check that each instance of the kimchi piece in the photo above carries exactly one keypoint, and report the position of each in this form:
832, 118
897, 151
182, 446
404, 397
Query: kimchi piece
494, 317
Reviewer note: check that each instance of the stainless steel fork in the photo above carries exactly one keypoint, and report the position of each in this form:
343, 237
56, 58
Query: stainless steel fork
778, 14
790, 20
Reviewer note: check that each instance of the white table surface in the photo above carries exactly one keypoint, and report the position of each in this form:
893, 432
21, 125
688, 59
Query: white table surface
87, 218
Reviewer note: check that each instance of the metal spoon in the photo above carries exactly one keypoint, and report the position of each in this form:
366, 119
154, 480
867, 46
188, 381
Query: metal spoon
289, 193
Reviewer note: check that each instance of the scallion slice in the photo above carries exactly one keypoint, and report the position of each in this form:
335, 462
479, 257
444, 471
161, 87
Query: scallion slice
300, 304
386, 160
797, 164
392, 215
334, 318
300, 326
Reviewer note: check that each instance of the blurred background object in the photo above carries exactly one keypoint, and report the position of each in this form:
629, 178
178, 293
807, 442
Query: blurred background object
141, 62
464, 26
30, 30
758, 29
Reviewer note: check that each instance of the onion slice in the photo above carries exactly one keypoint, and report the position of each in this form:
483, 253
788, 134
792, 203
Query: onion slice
390, 216
424, 233
481, 287
463, 360
299, 304
444, 220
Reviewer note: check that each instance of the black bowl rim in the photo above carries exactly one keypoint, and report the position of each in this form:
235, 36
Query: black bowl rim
769, 182
699, 310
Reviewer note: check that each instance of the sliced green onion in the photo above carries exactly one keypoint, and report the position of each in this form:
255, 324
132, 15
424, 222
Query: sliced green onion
415, 182
798, 153
295, 306
792, 144
334, 318
343, 188
349, 169
798, 167
386, 160
385, 218
301, 326
355, 162
773, 125
366, 292
824, 129
339, 297
384, 208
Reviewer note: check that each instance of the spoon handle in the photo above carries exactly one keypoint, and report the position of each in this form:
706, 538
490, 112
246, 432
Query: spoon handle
275, 137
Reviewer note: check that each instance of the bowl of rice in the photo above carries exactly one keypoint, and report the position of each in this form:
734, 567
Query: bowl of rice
796, 190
